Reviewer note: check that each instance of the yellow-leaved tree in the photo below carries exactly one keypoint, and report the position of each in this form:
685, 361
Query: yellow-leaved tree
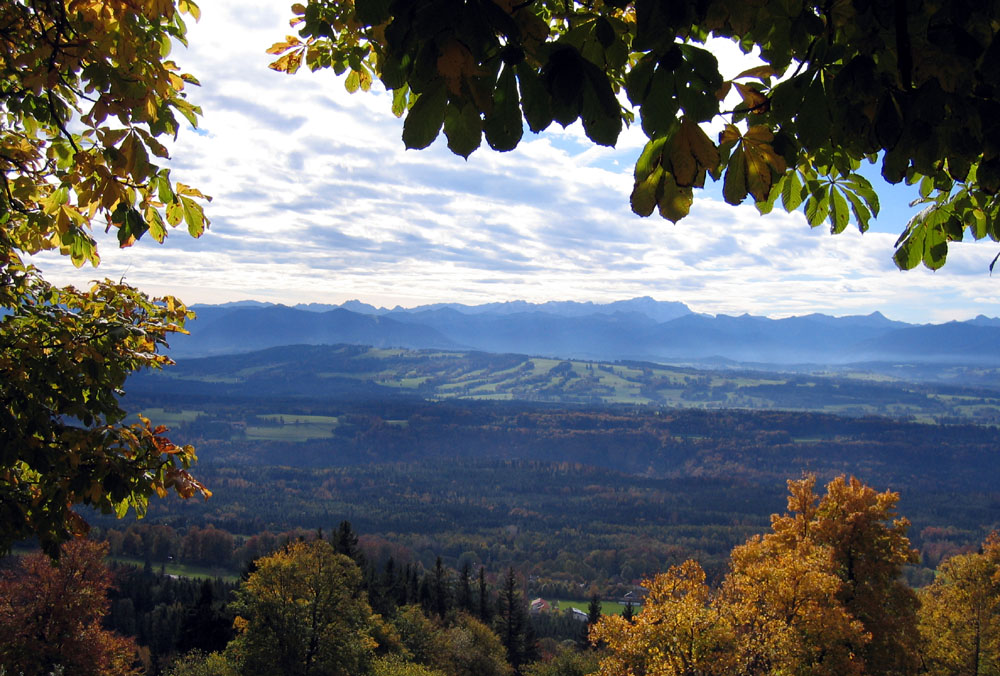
303, 612
960, 614
821, 594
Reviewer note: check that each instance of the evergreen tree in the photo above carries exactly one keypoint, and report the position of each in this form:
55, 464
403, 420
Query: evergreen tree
512, 622
440, 589
205, 626
465, 589
345, 541
484, 597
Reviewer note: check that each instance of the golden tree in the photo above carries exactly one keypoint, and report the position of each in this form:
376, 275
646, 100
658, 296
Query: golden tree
302, 612
960, 614
802, 599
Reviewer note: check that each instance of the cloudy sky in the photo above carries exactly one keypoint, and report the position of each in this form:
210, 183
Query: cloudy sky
315, 200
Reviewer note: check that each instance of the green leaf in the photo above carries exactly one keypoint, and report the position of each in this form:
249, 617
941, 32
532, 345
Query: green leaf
644, 193
675, 201
639, 79
164, 191
534, 98
193, 216
818, 206
977, 223
864, 190
175, 212
935, 248
792, 192
910, 245
504, 126
734, 187
464, 129
565, 78
372, 12
926, 186
839, 211
353, 82
767, 206
399, 100
423, 122
601, 114
659, 111
132, 229
157, 228
650, 158
861, 213
813, 119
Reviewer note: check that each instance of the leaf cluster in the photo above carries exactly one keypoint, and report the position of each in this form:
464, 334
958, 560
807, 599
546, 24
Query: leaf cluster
88, 96
64, 358
843, 83
88, 93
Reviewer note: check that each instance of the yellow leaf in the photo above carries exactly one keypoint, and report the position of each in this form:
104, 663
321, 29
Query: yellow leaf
731, 134
691, 154
455, 64
752, 99
759, 72
280, 47
675, 203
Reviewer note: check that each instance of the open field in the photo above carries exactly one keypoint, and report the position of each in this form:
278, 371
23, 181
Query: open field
180, 569
607, 607
354, 371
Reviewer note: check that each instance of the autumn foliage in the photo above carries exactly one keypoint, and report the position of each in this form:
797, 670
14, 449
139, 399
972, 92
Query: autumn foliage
88, 98
820, 594
50, 616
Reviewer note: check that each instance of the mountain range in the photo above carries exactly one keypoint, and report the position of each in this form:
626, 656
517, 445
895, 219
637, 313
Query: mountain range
636, 329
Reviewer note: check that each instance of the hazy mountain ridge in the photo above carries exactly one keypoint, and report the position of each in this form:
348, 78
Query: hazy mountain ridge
640, 329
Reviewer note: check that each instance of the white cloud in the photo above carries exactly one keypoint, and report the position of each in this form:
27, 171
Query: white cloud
316, 200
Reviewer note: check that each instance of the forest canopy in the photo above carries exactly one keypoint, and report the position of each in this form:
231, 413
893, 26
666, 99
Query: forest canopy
906, 84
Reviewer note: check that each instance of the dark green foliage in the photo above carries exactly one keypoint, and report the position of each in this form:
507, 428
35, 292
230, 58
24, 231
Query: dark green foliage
170, 614
512, 623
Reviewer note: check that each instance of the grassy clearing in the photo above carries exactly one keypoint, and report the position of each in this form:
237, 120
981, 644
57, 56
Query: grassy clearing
296, 419
302, 432
180, 569
607, 607
168, 417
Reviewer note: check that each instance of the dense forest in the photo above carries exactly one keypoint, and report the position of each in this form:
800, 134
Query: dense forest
453, 515
820, 592
592, 496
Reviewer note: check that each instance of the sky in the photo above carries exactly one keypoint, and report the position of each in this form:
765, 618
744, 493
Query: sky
316, 201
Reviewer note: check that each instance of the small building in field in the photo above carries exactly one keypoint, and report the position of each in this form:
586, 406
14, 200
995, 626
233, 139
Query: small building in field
538, 606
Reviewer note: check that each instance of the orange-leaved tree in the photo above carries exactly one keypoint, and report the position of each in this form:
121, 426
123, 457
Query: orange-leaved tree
50, 616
